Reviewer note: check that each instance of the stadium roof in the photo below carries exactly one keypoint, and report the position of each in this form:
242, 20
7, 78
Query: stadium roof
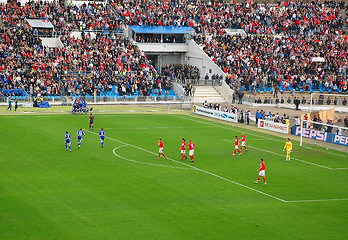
162, 30
38, 23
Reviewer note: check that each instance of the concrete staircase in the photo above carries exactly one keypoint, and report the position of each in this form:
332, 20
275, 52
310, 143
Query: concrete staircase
208, 93
344, 17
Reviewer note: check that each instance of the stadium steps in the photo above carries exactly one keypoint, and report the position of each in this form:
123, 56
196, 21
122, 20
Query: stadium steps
344, 17
208, 93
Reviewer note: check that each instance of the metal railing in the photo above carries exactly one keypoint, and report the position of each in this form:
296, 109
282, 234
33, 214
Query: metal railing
199, 82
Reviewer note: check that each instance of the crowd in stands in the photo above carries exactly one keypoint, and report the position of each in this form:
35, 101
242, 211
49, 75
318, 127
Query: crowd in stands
96, 17
181, 72
287, 63
289, 45
107, 64
156, 38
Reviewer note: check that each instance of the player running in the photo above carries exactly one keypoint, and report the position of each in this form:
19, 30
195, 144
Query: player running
79, 136
183, 149
160, 145
67, 141
243, 139
261, 171
288, 147
91, 121
102, 137
191, 147
236, 146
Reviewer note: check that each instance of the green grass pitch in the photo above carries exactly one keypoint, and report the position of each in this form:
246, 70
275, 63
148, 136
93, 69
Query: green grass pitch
122, 191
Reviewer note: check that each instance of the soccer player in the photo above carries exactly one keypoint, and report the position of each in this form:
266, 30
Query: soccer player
102, 137
191, 147
288, 147
16, 104
243, 139
80, 135
261, 171
236, 146
91, 121
160, 145
183, 149
67, 141
9, 104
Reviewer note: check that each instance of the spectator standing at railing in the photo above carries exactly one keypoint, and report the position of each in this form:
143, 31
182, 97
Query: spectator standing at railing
9, 104
297, 102
346, 122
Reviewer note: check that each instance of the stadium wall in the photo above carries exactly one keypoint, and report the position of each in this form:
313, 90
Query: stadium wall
197, 57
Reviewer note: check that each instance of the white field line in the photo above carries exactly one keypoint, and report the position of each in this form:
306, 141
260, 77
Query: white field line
225, 179
213, 125
145, 163
198, 169
318, 200
296, 159
339, 155
149, 128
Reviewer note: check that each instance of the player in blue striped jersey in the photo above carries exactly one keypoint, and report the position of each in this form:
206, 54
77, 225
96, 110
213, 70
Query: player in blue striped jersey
102, 136
67, 141
80, 135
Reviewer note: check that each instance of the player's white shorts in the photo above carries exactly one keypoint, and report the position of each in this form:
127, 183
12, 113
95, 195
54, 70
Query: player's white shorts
191, 152
262, 173
236, 146
183, 151
243, 144
160, 150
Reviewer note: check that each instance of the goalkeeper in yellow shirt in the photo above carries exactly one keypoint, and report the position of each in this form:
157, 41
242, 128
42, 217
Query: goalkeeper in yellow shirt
288, 147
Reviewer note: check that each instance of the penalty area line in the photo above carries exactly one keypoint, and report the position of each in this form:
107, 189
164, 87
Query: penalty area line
318, 200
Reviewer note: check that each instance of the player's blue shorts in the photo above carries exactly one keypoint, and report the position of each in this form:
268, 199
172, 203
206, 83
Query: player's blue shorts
79, 138
102, 138
67, 141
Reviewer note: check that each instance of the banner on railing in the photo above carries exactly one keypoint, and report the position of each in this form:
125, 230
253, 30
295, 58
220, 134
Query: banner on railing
230, 117
273, 126
322, 136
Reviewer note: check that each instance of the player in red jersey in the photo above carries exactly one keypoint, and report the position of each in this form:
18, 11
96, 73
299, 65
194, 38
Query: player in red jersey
236, 146
191, 148
160, 145
183, 149
261, 171
243, 139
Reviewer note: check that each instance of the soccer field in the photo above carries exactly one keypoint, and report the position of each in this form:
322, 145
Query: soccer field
122, 191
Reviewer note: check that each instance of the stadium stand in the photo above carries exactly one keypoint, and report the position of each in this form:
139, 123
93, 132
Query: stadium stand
289, 46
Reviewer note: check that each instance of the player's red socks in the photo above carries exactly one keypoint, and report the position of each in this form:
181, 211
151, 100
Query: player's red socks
164, 155
258, 179
183, 156
264, 179
235, 150
192, 159
159, 155
244, 147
